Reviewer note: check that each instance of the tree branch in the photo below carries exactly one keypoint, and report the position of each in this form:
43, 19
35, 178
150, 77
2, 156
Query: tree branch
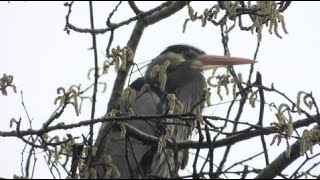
115, 26
133, 42
134, 7
281, 162
261, 115
96, 73
148, 139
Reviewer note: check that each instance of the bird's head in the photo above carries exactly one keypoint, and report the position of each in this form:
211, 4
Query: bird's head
186, 64
186, 58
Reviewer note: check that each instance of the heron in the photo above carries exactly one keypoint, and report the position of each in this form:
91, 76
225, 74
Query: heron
127, 157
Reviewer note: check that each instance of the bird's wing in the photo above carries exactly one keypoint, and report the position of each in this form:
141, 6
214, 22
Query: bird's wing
130, 157
168, 161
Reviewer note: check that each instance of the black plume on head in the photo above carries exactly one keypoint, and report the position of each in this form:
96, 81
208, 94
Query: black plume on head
180, 49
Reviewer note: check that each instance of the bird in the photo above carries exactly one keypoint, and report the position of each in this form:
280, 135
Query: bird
127, 157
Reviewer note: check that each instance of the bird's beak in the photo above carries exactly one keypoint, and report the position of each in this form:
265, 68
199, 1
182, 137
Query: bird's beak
212, 61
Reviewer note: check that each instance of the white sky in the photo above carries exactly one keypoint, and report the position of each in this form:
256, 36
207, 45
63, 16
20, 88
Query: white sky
41, 57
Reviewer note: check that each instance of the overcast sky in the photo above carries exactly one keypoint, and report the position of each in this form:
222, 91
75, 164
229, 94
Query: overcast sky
41, 57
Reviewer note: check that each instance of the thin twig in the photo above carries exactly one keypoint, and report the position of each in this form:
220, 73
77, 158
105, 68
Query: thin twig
135, 157
50, 168
127, 157
302, 164
252, 65
96, 73
210, 154
243, 100
112, 13
282, 161
195, 174
118, 25
261, 115
243, 161
109, 44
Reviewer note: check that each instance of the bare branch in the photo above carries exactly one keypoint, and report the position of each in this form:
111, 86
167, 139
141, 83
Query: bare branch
134, 7
115, 26
96, 73
281, 162
171, 8
261, 115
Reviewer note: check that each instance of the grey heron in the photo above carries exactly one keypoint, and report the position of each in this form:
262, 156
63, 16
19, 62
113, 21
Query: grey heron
131, 158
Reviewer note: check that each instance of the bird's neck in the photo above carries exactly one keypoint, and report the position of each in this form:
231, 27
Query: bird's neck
189, 88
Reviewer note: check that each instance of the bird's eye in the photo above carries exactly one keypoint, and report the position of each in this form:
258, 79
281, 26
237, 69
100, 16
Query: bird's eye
188, 55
